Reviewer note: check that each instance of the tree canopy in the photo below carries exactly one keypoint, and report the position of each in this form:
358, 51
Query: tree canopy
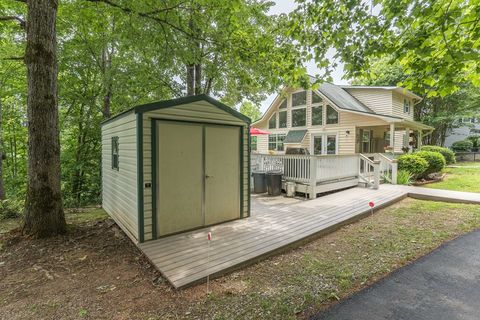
436, 42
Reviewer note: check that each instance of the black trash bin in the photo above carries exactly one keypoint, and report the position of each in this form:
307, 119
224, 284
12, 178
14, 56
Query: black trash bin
274, 183
259, 185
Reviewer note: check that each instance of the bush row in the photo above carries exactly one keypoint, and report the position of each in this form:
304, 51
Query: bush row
429, 159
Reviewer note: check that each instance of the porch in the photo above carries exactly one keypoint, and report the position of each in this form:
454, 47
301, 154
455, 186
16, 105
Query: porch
391, 138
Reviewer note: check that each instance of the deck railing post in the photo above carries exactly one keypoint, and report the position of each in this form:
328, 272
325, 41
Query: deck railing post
394, 164
376, 174
313, 177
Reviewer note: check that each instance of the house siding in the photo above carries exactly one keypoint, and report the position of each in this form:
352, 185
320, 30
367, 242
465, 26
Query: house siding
398, 106
119, 187
200, 111
348, 121
379, 100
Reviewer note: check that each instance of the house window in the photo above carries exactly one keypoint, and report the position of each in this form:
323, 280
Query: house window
331, 147
317, 145
325, 144
253, 143
282, 119
299, 99
115, 154
299, 117
283, 105
272, 123
316, 99
332, 115
406, 106
317, 116
275, 142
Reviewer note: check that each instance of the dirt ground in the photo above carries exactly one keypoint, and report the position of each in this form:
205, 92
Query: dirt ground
96, 272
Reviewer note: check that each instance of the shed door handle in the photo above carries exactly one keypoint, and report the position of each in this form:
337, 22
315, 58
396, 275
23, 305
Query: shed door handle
207, 176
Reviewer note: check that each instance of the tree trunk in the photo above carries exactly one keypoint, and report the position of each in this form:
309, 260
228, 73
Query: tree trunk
44, 214
198, 78
106, 111
2, 154
190, 79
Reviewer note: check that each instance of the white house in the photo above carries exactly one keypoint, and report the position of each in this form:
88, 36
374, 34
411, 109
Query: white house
340, 119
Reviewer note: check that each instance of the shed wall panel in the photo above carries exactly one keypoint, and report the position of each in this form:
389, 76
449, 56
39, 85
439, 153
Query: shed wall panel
119, 187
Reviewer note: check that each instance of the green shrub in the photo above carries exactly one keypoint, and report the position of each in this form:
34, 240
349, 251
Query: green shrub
10, 208
462, 146
475, 139
413, 164
404, 177
447, 153
436, 161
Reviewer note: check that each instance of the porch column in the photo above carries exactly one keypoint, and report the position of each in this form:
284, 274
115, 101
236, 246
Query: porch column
407, 138
420, 137
392, 136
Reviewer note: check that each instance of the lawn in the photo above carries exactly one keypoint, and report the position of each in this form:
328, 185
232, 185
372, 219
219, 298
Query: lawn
461, 177
96, 272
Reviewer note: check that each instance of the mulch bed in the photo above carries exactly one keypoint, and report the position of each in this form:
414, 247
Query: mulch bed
424, 181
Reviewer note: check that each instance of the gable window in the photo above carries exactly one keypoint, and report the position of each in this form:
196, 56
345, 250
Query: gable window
253, 143
275, 142
316, 99
272, 122
283, 105
332, 115
282, 119
406, 106
317, 116
299, 117
115, 154
299, 99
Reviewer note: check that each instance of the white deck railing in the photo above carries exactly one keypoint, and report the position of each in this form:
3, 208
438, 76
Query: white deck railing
312, 171
388, 168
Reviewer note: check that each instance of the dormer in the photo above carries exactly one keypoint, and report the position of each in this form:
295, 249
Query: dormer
386, 100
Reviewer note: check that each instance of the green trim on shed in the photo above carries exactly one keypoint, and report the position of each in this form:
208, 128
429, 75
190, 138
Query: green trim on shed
249, 168
140, 200
153, 129
242, 176
190, 99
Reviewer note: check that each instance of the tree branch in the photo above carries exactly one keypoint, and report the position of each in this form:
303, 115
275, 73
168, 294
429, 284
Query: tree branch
149, 16
20, 21
14, 58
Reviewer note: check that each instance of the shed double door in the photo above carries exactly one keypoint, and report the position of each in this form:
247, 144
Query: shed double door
198, 175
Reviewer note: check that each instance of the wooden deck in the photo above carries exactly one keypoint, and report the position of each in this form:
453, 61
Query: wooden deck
276, 223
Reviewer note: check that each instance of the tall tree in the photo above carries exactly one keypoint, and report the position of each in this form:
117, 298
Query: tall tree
44, 214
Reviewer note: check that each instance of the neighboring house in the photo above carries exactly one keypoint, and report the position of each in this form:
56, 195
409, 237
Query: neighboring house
340, 119
467, 127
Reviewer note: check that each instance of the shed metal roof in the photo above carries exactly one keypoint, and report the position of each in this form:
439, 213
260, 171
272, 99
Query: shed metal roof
181, 101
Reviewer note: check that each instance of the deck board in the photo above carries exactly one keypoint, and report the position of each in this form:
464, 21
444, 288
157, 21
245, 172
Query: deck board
276, 223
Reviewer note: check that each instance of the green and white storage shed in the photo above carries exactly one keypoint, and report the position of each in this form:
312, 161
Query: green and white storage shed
175, 165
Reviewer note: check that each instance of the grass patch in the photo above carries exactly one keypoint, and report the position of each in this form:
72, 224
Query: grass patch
288, 286
467, 163
459, 179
